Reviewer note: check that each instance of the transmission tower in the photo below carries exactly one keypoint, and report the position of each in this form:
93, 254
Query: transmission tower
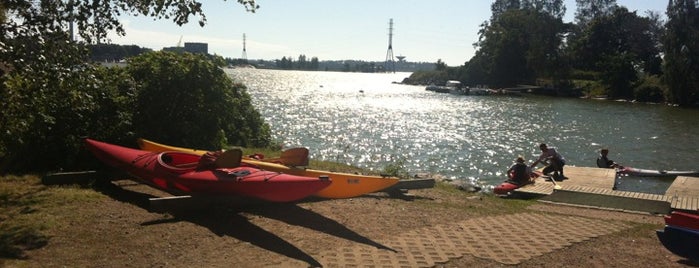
390, 64
245, 53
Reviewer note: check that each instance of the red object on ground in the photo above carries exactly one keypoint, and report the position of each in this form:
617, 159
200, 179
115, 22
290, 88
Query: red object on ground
177, 172
683, 219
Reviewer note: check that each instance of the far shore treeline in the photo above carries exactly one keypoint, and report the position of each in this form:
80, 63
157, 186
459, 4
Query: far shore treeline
54, 92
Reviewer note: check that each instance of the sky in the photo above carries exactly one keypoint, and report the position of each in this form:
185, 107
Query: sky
423, 31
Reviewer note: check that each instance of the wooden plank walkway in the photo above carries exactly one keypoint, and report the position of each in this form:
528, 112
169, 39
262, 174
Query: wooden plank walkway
683, 194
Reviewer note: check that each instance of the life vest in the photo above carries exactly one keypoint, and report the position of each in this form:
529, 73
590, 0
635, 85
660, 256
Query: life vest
520, 173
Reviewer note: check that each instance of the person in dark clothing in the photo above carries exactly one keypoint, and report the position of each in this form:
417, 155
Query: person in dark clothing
519, 172
604, 162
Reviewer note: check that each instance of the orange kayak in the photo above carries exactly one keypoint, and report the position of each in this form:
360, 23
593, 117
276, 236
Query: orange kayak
343, 185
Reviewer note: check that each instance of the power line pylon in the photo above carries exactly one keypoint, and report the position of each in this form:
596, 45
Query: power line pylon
390, 64
245, 53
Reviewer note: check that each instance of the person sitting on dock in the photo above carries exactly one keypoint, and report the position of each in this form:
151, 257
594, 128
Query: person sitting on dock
519, 173
555, 161
604, 162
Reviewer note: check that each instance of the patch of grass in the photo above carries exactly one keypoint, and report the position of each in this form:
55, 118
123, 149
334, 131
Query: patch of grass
396, 169
477, 204
18, 199
18, 236
336, 167
24, 216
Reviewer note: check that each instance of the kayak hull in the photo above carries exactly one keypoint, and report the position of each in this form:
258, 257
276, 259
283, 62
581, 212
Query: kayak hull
176, 172
508, 186
682, 242
683, 220
344, 185
656, 173
505, 188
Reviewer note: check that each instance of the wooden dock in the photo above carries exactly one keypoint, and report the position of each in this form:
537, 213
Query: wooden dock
683, 194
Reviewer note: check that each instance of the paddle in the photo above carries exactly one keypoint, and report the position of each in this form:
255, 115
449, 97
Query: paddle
293, 157
296, 157
555, 185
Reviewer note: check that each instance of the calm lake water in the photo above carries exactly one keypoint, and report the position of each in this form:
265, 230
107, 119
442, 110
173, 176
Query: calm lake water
367, 121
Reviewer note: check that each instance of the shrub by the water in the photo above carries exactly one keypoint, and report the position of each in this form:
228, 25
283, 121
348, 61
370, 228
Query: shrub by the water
188, 100
179, 99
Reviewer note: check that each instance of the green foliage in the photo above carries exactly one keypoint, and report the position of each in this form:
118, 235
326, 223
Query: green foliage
650, 89
681, 66
15, 239
427, 78
590, 88
617, 45
46, 116
396, 168
114, 53
187, 99
520, 43
588, 10
19, 230
302, 64
618, 75
51, 98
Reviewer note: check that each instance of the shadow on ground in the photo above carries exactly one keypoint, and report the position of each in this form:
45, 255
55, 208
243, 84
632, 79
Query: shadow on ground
223, 217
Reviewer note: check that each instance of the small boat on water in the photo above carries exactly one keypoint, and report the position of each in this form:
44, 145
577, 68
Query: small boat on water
344, 185
451, 86
655, 173
181, 173
680, 241
479, 91
683, 219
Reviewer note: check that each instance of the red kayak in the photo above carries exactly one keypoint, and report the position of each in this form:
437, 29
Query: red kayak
505, 188
178, 172
509, 185
683, 219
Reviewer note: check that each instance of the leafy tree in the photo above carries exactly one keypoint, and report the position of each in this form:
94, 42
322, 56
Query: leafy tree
650, 89
188, 99
554, 8
588, 10
681, 65
475, 71
520, 43
48, 93
618, 74
619, 47
112, 52
498, 7
45, 118
440, 65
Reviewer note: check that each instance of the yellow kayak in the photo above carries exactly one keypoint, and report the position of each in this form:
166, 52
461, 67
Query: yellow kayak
344, 185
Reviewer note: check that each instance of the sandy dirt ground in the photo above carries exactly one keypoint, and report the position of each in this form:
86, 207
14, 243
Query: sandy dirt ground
120, 231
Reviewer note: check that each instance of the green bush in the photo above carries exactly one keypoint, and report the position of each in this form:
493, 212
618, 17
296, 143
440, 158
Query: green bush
427, 77
188, 100
180, 99
650, 89
46, 115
